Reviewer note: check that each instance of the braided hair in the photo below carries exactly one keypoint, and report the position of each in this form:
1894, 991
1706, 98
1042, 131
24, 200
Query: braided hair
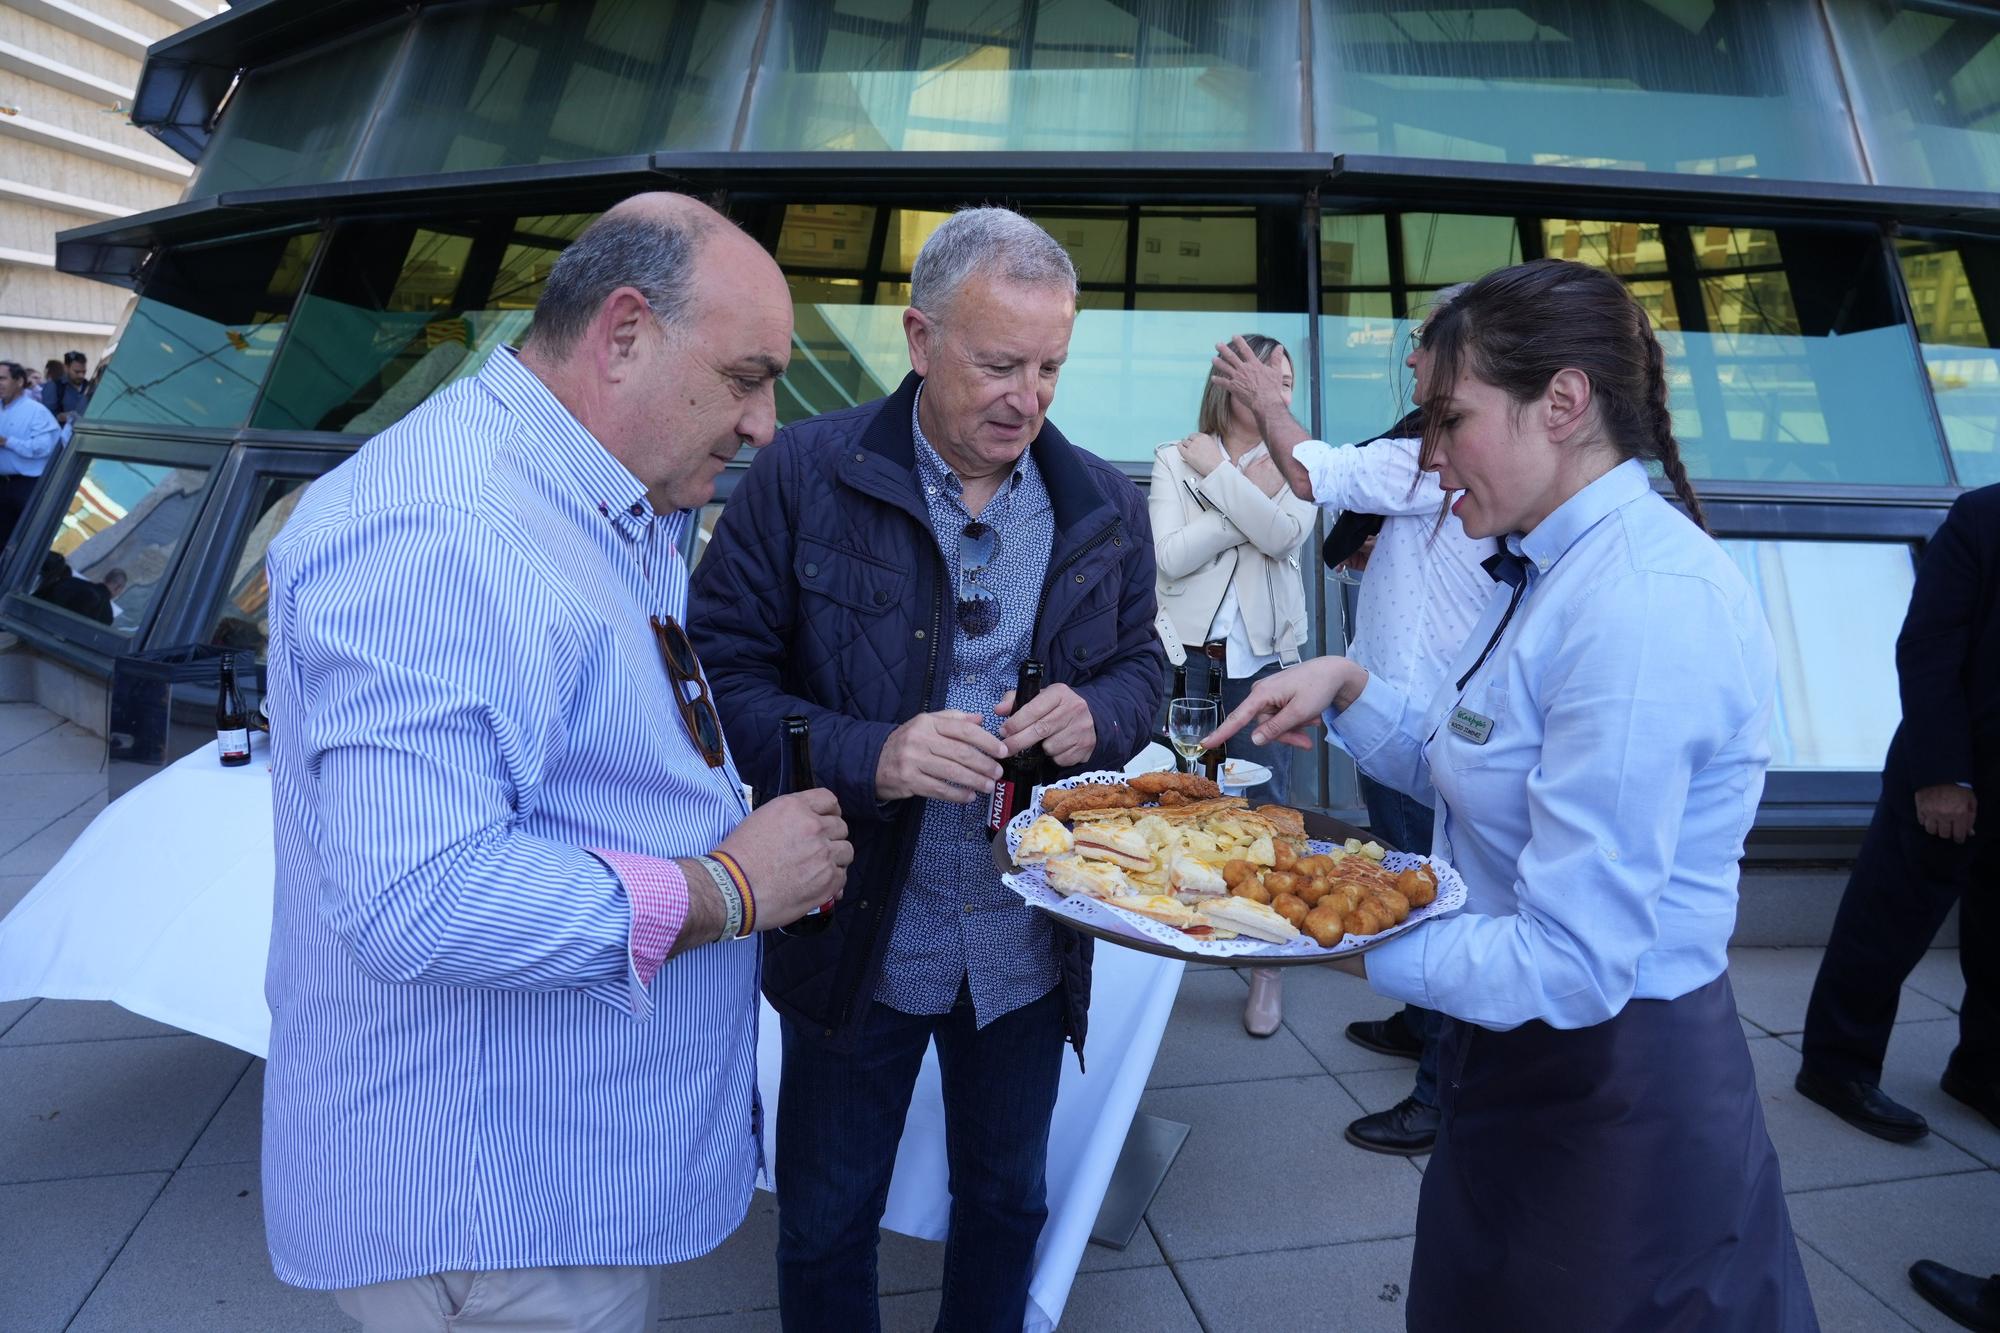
1516, 327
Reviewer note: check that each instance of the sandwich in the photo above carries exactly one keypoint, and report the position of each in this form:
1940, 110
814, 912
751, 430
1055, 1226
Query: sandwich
1125, 848
1194, 879
1287, 821
1247, 918
1069, 875
1046, 837
1159, 907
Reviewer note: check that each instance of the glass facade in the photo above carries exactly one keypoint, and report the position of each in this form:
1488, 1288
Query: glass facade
199, 342
118, 539
1954, 290
298, 122
1705, 87
243, 620
401, 309
1788, 358
1925, 75
969, 75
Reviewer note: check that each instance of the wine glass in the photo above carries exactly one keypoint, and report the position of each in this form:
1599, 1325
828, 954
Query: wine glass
1188, 720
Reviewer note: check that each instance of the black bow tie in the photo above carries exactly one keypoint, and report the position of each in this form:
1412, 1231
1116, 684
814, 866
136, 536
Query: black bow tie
1507, 568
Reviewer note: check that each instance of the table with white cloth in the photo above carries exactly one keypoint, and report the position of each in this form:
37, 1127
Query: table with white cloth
163, 906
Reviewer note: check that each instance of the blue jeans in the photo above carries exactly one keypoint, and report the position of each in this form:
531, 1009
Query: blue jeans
840, 1117
1275, 756
1407, 823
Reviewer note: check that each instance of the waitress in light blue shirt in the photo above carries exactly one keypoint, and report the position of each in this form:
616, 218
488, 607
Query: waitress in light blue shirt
1596, 756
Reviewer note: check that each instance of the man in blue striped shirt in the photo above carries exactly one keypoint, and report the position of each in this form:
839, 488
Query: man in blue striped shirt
513, 989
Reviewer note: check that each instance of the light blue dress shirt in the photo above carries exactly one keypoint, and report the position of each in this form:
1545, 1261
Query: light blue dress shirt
1625, 715
466, 699
30, 434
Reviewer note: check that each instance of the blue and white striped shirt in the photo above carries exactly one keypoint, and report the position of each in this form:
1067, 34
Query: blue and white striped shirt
465, 695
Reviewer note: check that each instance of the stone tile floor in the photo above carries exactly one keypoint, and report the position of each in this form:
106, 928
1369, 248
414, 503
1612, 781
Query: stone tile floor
129, 1186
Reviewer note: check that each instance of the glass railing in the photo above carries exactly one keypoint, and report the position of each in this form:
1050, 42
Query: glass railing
1966, 383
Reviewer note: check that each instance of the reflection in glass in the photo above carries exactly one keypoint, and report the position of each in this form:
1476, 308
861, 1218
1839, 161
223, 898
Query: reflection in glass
118, 539
198, 344
297, 122
973, 75
1926, 80
1834, 609
401, 310
244, 620
1710, 87
1955, 295
1353, 251
513, 84
1442, 248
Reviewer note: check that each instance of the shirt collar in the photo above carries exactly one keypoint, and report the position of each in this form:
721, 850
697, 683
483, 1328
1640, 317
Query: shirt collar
1554, 535
562, 449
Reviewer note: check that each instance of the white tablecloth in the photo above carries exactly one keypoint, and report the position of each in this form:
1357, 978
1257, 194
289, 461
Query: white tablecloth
163, 906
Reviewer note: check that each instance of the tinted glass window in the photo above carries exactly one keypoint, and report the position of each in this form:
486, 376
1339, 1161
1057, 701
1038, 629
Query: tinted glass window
119, 538
1711, 87
1926, 89
244, 620
1955, 294
199, 342
297, 122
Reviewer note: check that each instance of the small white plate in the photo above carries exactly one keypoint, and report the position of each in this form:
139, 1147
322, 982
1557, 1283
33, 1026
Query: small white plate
1240, 774
1155, 758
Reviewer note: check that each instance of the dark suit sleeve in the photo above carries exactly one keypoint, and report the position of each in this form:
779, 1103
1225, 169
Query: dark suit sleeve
743, 616
1937, 638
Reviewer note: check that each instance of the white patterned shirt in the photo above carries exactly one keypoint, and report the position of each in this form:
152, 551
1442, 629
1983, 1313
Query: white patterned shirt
469, 1066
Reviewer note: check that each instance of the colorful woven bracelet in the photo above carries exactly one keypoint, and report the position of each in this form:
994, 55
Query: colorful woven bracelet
743, 884
732, 897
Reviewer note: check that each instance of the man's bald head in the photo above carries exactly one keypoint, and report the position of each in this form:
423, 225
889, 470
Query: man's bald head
649, 243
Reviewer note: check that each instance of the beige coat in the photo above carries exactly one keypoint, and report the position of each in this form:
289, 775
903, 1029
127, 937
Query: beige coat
1241, 534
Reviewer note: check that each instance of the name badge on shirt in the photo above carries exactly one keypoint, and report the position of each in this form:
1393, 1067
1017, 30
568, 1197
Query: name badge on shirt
1466, 723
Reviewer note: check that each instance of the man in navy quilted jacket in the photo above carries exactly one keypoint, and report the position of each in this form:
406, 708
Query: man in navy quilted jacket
883, 571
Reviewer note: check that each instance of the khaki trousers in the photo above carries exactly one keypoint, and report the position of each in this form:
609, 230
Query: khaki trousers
510, 1300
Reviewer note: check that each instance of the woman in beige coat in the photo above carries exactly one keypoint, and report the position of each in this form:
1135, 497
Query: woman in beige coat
1226, 537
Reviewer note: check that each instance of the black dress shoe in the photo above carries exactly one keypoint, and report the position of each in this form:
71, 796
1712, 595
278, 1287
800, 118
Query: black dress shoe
1388, 1035
1981, 1094
1972, 1301
1405, 1129
1863, 1106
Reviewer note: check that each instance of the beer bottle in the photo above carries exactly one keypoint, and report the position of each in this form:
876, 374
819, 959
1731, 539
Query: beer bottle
1180, 681
232, 719
796, 774
1217, 652
1018, 773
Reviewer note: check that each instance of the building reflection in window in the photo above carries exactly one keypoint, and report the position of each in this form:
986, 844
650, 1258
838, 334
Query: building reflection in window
1955, 297
244, 621
118, 539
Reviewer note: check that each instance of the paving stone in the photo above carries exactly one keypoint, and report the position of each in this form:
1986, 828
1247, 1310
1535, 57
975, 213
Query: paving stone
83, 1020
23, 722
1842, 1304
1132, 1300
1247, 1181
1320, 1003
1143, 1252
107, 1107
755, 1321
11, 1012
740, 1275
1357, 1288
1916, 1060
1773, 985
1873, 1233
63, 748
56, 1239
237, 1132
1937, 976
198, 1262
39, 854
1205, 1041
13, 888
1817, 1150
50, 796
16, 829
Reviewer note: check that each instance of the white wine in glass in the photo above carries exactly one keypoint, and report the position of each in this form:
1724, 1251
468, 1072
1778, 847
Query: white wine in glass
1188, 720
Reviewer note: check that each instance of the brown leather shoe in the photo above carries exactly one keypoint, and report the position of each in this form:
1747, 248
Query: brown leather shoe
1972, 1301
1265, 1008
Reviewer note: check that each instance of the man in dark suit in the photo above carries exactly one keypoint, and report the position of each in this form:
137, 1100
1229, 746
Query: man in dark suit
1925, 851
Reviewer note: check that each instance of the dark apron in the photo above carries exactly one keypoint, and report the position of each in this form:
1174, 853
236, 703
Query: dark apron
1609, 1179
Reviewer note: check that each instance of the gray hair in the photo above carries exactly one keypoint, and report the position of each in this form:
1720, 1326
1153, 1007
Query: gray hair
1443, 297
653, 254
986, 240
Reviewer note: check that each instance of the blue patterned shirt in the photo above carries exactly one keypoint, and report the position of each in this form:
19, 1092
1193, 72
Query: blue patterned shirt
956, 922
466, 698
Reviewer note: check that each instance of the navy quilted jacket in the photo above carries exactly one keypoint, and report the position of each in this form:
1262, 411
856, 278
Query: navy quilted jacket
821, 594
